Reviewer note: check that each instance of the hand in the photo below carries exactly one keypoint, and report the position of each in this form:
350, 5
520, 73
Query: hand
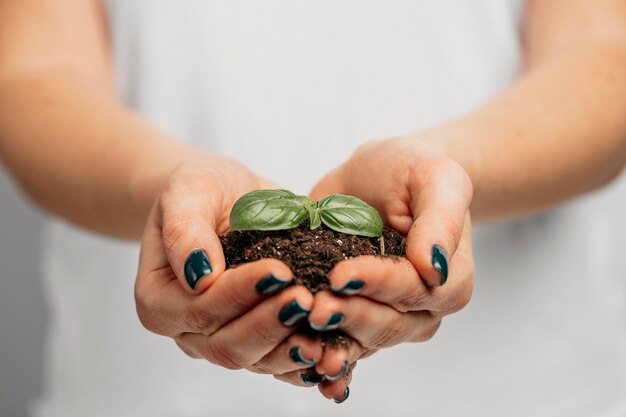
229, 317
422, 194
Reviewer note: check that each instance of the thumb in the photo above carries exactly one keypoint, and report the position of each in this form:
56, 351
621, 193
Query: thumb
330, 184
440, 196
190, 242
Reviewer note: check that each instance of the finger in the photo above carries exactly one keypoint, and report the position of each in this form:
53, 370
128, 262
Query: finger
457, 293
170, 310
247, 339
337, 358
302, 378
392, 281
189, 211
236, 292
372, 324
309, 378
330, 184
339, 390
298, 352
440, 195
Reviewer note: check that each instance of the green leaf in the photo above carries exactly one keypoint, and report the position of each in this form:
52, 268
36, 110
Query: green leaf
347, 214
314, 217
268, 210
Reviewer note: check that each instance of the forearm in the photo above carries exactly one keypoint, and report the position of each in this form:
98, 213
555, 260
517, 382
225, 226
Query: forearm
80, 154
559, 131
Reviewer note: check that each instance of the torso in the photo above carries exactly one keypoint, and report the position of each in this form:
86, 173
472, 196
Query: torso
302, 84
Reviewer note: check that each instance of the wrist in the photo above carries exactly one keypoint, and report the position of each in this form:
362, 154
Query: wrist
455, 140
150, 174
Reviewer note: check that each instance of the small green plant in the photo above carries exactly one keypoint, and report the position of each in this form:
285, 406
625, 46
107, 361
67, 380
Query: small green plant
281, 209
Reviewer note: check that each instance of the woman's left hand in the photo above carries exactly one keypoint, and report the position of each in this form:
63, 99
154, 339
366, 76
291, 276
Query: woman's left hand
381, 302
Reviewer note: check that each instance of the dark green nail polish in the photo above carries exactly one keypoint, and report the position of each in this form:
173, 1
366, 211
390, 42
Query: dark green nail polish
345, 396
197, 267
311, 380
296, 355
334, 321
292, 314
270, 285
440, 262
352, 287
344, 372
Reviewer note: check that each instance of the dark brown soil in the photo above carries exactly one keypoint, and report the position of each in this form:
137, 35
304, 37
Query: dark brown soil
311, 254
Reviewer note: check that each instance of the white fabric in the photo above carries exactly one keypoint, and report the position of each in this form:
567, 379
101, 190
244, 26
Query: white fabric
291, 88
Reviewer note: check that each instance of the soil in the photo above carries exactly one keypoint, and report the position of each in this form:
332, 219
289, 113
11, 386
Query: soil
310, 254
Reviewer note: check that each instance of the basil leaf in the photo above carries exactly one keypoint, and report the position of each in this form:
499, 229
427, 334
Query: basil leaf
267, 210
347, 214
314, 217
306, 201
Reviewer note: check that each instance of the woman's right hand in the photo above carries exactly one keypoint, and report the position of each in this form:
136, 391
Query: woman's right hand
236, 318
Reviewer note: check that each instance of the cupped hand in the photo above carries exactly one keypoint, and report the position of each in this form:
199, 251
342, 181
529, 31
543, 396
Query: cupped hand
426, 196
235, 318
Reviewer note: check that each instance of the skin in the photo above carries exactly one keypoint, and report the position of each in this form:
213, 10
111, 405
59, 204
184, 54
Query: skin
115, 174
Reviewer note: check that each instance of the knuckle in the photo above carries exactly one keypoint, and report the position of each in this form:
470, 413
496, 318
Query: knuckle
236, 299
167, 194
219, 354
390, 335
200, 320
421, 173
462, 298
260, 368
465, 296
266, 337
174, 230
455, 171
187, 350
409, 300
144, 305
428, 333
368, 147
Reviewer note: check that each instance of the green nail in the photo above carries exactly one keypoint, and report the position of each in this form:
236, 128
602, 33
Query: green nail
292, 314
344, 372
352, 287
270, 285
334, 321
197, 267
346, 394
440, 262
296, 356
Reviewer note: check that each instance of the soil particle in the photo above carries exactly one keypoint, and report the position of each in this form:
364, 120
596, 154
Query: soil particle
311, 254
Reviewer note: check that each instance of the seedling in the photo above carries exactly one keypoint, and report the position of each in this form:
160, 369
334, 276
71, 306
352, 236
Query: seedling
281, 210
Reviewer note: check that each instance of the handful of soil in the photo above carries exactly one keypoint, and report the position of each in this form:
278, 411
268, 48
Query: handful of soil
311, 254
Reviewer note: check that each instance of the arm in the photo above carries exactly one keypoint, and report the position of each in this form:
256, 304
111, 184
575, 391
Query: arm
79, 153
560, 130
72, 146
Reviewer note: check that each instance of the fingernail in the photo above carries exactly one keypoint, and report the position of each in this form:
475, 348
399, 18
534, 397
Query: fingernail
270, 285
311, 380
296, 355
344, 372
292, 314
346, 394
352, 287
197, 267
334, 321
440, 262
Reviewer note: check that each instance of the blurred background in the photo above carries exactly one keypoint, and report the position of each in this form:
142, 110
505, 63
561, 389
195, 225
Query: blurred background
23, 311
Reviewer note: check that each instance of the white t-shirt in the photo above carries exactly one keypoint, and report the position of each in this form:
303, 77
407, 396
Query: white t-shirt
291, 88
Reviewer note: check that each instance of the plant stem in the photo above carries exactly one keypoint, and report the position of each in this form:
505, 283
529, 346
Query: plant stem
381, 243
